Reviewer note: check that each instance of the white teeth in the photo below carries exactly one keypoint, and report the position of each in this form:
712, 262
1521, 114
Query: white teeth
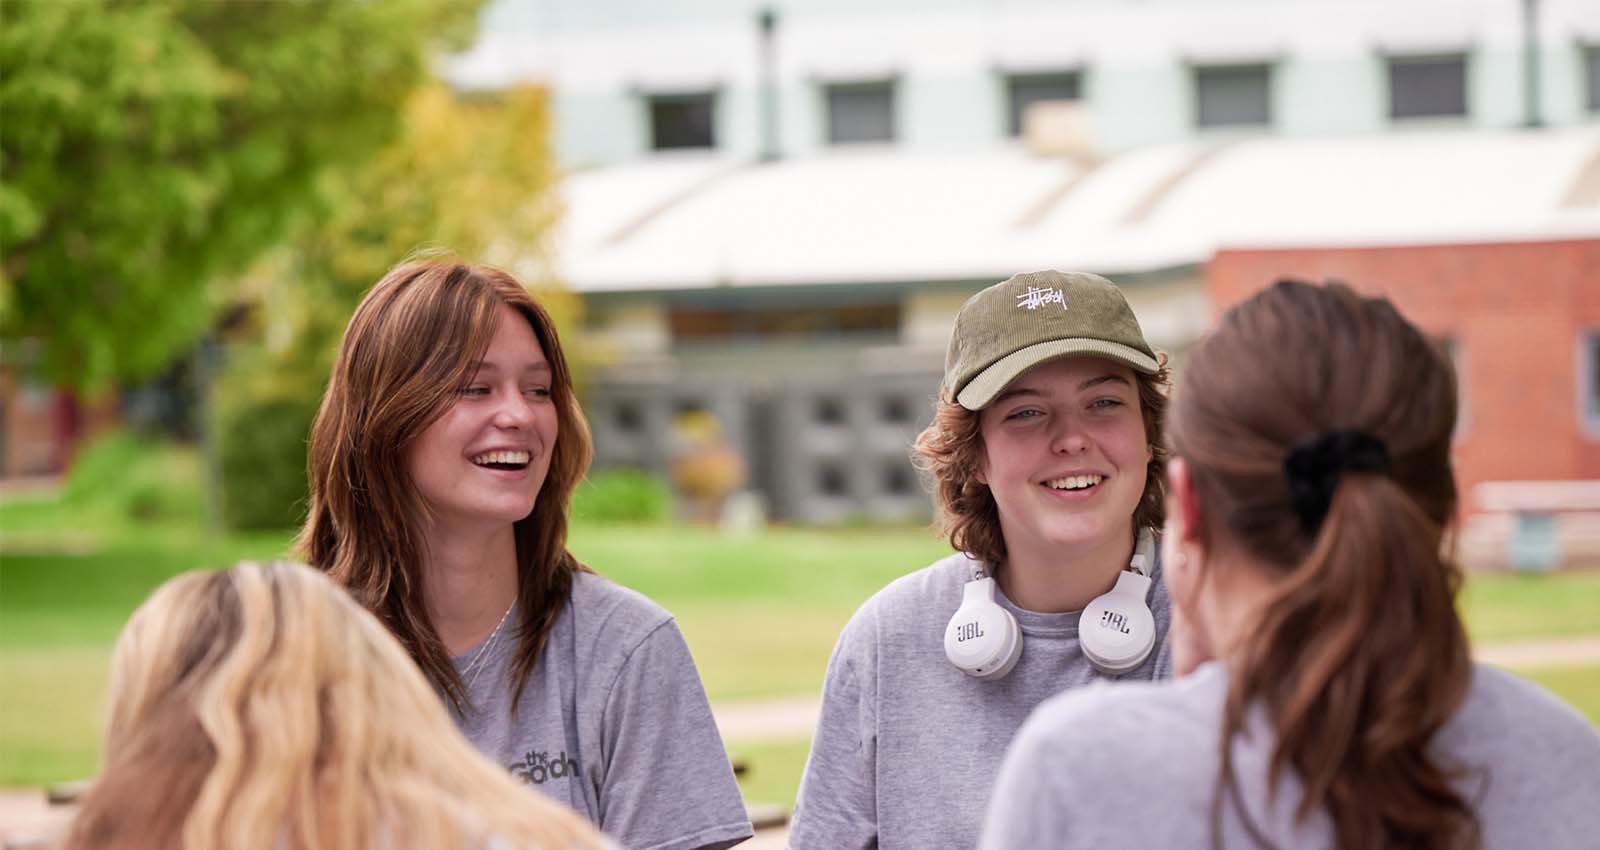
502, 457
1075, 482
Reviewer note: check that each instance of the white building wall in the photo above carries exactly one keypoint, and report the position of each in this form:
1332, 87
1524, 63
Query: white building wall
949, 56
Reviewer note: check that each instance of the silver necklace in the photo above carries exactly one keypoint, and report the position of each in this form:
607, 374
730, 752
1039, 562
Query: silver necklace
474, 666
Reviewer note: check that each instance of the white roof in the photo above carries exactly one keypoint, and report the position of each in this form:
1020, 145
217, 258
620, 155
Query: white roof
884, 214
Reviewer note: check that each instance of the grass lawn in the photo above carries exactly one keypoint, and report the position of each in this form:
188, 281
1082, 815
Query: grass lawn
761, 613
773, 769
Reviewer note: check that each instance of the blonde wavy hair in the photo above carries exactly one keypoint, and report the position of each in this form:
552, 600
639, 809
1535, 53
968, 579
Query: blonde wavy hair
261, 707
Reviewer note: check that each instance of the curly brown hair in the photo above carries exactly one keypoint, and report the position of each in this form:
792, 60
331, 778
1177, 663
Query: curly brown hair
950, 452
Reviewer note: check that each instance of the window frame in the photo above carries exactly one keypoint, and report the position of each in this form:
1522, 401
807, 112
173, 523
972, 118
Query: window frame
1011, 79
1588, 382
1237, 70
1392, 61
1589, 62
890, 88
653, 100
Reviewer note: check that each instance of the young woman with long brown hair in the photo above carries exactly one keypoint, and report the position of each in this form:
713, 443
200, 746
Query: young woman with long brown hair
442, 465
260, 708
1046, 459
1328, 698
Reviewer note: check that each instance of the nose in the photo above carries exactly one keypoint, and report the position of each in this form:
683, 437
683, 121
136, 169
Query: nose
1069, 437
513, 413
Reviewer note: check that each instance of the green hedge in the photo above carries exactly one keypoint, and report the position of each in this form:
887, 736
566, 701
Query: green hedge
261, 455
622, 496
138, 479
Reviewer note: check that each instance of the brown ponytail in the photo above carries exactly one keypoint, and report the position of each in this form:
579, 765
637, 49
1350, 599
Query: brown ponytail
1359, 657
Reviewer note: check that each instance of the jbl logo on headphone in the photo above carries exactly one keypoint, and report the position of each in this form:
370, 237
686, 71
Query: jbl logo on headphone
968, 631
1114, 620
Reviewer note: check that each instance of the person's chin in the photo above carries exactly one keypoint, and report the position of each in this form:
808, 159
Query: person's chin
1079, 533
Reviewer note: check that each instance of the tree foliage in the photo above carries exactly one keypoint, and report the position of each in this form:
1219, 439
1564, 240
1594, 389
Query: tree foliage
471, 177
149, 149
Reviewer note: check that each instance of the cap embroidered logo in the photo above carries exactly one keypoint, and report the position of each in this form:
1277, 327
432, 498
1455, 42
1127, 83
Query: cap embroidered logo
1035, 298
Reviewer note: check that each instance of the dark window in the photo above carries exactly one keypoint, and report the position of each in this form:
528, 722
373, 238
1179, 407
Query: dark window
897, 479
1589, 374
1024, 90
829, 412
860, 112
1233, 96
831, 480
681, 121
1427, 86
1591, 75
701, 324
896, 411
1451, 347
627, 417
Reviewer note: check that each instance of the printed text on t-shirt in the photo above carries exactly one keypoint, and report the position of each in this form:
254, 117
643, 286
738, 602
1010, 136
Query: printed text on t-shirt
537, 766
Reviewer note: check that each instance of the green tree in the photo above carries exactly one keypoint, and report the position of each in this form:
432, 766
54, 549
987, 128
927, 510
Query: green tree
469, 176
151, 149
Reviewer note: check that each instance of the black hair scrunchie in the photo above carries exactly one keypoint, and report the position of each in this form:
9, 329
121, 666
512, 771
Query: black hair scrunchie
1315, 464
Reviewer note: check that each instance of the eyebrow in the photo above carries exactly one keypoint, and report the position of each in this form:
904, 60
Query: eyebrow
1095, 382
1086, 385
536, 366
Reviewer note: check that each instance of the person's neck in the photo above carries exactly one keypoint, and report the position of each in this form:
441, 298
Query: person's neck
1053, 579
1240, 588
469, 582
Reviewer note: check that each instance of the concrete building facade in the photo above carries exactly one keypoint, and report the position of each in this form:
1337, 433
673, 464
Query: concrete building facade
774, 211
950, 74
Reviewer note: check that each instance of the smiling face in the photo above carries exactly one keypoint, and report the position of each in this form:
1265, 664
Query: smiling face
485, 458
1065, 456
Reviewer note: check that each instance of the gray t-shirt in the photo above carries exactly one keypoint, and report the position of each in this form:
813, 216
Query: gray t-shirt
613, 722
1136, 765
907, 745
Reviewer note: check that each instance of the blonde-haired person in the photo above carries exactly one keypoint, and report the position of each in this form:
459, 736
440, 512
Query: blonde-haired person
1045, 456
442, 465
1327, 697
260, 708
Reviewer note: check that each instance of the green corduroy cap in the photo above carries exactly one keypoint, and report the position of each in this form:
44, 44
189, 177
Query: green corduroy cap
1011, 327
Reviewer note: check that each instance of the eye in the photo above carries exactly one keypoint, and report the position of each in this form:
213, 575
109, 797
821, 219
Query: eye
1106, 403
537, 392
473, 391
1024, 413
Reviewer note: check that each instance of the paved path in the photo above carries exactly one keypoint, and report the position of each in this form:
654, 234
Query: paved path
762, 720
26, 817
1542, 654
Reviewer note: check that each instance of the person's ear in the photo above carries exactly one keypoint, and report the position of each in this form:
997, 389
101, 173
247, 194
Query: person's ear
1181, 549
1184, 517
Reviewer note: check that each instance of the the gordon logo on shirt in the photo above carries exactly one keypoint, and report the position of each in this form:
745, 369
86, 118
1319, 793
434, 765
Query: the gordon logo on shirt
537, 767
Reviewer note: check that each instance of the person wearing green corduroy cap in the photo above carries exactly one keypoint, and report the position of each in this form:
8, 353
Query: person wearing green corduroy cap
1046, 461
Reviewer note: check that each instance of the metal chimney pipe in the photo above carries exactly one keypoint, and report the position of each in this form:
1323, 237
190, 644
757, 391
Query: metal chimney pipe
767, 22
1530, 64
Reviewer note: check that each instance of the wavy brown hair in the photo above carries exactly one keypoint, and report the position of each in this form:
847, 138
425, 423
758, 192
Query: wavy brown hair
1359, 656
949, 452
262, 708
414, 341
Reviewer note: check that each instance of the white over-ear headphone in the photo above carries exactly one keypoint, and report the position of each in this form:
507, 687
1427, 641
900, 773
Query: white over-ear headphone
1116, 631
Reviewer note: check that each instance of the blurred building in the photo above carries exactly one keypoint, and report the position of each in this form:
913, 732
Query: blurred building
1521, 321
774, 211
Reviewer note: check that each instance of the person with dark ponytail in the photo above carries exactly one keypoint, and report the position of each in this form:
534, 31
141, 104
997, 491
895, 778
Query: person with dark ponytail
1327, 697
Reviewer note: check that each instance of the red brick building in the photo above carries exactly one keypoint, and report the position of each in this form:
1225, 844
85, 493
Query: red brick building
1521, 318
